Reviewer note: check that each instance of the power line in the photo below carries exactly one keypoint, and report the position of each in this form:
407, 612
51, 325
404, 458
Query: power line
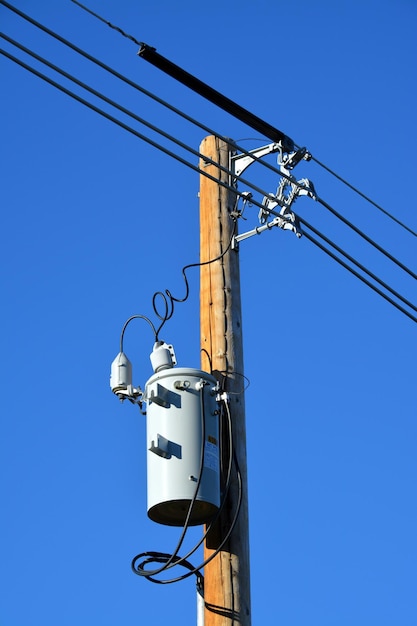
150, 54
119, 30
365, 197
196, 153
359, 265
364, 236
362, 278
197, 169
131, 114
197, 123
138, 87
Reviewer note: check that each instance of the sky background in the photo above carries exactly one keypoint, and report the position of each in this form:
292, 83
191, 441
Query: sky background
95, 221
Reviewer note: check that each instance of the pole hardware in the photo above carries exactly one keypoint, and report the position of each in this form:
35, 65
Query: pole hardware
242, 161
289, 189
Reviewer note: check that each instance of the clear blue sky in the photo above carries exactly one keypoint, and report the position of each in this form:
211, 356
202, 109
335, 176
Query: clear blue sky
94, 221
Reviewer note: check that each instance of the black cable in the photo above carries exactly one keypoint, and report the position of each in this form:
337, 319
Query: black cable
368, 239
359, 265
144, 92
156, 129
365, 197
115, 120
141, 120
186, 147
150, 54
364, 280
134, 317
350, 269
149, 141
117, 106
140, 135
247, 117
138, 87
119, 30
169, 300
167, 105
162, 102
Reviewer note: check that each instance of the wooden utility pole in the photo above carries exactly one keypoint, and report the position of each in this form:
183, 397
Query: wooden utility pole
227, 576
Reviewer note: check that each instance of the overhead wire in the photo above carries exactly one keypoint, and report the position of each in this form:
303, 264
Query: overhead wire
136, 117
174, 109
359, 265
204, 90
168, 561
184, 162
364, 236
193, 151
173, 155
364, 196
362, 278
133, 84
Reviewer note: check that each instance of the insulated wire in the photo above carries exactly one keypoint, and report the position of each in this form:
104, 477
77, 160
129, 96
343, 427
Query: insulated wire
330, 171
365, 197
362, 278
139, 119
170, 107
134, 317
359, 265
166, 151
368, 239
119, 30
122, 109
138, 87
195, 152
110, 117
167, 295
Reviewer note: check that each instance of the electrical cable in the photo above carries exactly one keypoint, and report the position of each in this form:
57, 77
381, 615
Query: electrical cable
196, 153
119, 30
94, 92
368, 239
167, 297
133, 317
150, 54
136, 86
142, 120
362, 278
364, 196
111, 118
359, 265
350, 269
164, 103
146, 139
170, 560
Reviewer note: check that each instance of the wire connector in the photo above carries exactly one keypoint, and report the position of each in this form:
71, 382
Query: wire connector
223, 397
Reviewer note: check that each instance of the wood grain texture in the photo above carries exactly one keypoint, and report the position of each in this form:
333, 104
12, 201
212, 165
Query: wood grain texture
227, 576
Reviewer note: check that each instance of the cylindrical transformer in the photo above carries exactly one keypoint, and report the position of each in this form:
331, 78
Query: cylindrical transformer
183, 446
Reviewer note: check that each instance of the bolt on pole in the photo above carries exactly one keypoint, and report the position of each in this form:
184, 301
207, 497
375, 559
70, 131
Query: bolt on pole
227, 576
